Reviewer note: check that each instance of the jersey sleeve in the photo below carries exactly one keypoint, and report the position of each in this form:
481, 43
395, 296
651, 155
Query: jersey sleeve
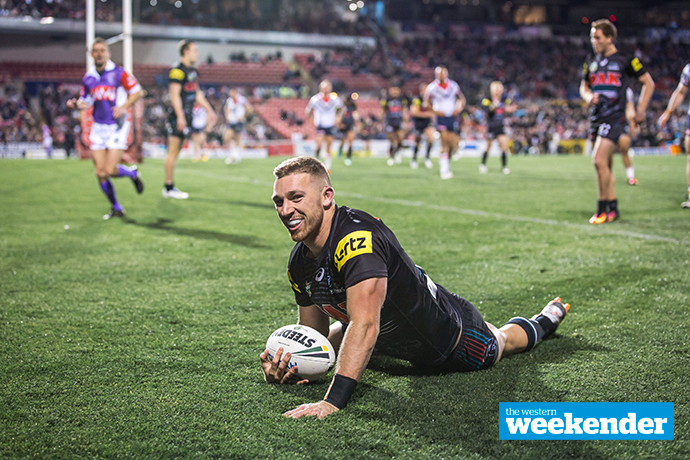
635, 68
85, 94
296, 282
585, 71
129, 83
176, 75
685, 76
361, 253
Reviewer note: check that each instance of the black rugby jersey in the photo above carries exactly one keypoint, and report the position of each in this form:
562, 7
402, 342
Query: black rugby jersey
189, 79
418, 102
495, 112
394, 107
610, 77
349, 112
419, 320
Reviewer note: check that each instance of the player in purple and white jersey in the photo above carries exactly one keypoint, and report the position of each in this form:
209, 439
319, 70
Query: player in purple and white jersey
110, 90
447, 101
676, 98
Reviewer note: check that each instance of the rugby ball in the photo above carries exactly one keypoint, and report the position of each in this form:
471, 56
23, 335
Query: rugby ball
312, 353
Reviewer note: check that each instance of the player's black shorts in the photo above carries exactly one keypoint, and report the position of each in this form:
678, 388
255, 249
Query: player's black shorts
236, 127
478, 347
325, 131
449, 124
171, 126
611, 128
420, 124
346, 125
494, 131
393, 124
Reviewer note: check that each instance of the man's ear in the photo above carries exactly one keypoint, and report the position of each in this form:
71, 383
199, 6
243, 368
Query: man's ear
328, 197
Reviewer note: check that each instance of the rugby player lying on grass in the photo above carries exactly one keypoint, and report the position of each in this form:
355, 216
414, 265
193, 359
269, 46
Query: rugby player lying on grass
349, 266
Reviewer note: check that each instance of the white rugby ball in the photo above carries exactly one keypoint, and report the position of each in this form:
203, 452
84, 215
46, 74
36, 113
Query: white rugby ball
312, 353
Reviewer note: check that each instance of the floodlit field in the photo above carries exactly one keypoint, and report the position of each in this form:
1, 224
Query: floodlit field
139, 338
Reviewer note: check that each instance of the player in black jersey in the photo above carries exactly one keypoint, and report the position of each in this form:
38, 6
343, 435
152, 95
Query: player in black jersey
348, 123
497, 108
605, 80
422, 115
394, 113
183, 84
349, 266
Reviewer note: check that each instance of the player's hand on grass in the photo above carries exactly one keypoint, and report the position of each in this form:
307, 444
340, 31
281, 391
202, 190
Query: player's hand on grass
320, 409
276, 370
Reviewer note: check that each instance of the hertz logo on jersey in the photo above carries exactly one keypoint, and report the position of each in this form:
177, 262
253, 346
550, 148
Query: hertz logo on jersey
352, 245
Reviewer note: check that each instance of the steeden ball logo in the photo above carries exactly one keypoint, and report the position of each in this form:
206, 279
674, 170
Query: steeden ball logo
590, 421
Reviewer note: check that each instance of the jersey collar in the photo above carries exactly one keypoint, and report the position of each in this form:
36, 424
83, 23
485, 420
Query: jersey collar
110, 65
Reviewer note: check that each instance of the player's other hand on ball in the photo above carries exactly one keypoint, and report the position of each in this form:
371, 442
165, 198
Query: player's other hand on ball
276, 369
320, 409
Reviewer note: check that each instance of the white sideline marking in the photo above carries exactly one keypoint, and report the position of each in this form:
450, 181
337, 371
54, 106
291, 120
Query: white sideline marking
453, 209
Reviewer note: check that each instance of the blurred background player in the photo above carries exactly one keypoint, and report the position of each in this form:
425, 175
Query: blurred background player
47, 140
626, 139
605, 80
421, 124
394, 113
497, 108
676, 98
199, 118
183, 84
111, 91
447, 102
236, 109
348, 123
323, 110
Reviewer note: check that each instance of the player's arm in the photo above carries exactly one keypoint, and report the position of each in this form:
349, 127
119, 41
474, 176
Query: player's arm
201, 100
134, 93
309, 112
645, 96
460, 103
364, 302
676, 98
83, 102
175, 90
587, 95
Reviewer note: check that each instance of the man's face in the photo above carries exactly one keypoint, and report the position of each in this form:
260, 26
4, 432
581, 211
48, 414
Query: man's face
100, 54
193, 52
299, 202
441, 74
600, 42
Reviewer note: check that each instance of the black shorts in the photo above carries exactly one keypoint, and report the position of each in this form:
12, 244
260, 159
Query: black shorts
420, 124
494, 131
611, 128
322, 130
478, 347
449, 124
393, 124
347, 125
236, 127
171, 126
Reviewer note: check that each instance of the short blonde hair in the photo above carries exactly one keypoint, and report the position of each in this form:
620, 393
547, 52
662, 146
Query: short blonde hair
607, 28
302, 165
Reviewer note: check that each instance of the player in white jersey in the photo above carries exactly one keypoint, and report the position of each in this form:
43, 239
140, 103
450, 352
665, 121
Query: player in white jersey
626, 139
199, 118
676, 98
236, 109
447, 101
323, 111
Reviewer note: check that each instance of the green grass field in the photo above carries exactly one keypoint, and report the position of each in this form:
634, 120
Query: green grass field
139, 338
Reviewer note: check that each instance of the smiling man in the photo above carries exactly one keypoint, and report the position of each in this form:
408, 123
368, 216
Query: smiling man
347, 265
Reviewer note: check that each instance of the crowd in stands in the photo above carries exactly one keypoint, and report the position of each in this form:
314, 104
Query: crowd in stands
541, 75
306, 16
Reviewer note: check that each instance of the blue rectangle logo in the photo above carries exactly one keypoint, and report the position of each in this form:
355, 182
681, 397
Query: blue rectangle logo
590, 421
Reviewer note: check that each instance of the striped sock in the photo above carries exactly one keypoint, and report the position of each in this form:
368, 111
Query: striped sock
534, 330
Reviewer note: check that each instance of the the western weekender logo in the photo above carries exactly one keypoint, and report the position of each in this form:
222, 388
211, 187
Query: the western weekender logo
352, 245
586, 421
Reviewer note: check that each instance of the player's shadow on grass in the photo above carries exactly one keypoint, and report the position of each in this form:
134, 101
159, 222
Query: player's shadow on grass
266, 205
164, 224
460, 410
